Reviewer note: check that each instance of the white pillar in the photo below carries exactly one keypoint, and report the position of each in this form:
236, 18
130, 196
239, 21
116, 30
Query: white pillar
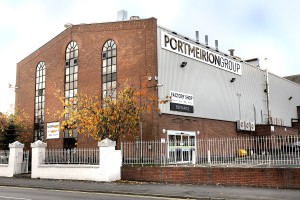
15, 158
38, 156
110, 160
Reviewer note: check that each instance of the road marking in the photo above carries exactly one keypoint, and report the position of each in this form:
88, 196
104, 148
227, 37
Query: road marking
143, 196
4, 197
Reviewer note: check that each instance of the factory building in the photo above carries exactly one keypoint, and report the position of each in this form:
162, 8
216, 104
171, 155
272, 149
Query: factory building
214, 94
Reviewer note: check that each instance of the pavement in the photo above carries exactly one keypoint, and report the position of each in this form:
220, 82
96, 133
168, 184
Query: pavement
183, 191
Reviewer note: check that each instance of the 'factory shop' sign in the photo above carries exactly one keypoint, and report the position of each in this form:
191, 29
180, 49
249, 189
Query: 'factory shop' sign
181, 102
179, 46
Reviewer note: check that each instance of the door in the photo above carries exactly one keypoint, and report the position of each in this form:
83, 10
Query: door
181, 145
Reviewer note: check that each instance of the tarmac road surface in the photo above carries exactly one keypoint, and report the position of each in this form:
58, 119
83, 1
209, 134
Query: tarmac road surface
16, 193
149, 190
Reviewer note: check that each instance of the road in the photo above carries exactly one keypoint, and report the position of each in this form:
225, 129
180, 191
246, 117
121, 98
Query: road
17, 193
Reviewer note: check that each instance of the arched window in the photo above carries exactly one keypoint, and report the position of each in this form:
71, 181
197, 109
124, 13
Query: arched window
39, 107
71, 81
109, 69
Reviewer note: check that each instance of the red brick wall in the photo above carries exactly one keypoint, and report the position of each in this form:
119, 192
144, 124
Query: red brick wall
258, 177
265, 130
136, 59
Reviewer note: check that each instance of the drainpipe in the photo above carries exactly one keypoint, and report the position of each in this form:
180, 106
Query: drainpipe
268, 93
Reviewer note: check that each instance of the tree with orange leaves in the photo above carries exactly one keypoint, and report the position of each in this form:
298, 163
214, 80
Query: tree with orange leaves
13, 128
109, 118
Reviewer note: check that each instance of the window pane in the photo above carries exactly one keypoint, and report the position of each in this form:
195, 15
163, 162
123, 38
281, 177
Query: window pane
71, 78
75, 85
104, 63
108, 53
109, 61
103, 55
108, 70
114, 84
114, 77
75, 77
71, 93
76, 69
104, 86
104, 70
104, 79
67, 71
114, 60
67, 79
71, 70
71, 62
114, 68
114, 52
108, 78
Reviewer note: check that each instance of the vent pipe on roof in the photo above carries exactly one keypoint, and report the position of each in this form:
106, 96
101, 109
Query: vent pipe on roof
231, 51
217, 45
197, 36
206, 40
122, 15
134, 18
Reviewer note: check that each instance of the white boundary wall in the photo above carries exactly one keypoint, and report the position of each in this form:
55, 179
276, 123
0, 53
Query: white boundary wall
8, 170
108, 170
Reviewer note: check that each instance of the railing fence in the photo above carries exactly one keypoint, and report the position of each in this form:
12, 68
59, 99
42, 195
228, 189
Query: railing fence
239, 151
72, 156
4, 156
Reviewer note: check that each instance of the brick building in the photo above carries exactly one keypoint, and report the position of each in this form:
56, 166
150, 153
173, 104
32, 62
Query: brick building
214, 94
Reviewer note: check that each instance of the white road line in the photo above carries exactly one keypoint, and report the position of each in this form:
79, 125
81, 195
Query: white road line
3, 197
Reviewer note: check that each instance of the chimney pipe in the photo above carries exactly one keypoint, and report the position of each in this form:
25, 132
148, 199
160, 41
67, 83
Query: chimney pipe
231, 52
206, 40
197, 36
217, 45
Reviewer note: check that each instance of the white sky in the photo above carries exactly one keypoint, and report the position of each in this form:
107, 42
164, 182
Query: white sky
254, 28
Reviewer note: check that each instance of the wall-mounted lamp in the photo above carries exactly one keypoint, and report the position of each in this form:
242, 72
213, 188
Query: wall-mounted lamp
149, 78
290, 98
183, 64
266, 90
164, 130
232, 80
198, 132
10, 86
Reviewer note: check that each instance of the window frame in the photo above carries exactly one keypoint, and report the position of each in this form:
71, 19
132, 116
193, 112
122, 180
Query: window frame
39, 101
109, 70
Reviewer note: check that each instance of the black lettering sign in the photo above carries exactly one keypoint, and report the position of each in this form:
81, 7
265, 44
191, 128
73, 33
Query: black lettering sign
181, 107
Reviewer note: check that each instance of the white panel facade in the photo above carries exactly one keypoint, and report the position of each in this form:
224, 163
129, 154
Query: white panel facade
214, 95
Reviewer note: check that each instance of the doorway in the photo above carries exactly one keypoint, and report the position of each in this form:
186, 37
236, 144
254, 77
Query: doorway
181, 145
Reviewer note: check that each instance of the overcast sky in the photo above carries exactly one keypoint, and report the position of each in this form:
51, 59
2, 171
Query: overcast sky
254, 28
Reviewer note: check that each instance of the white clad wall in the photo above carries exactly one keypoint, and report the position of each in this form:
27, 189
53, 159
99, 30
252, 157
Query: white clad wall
280, 105
214, 96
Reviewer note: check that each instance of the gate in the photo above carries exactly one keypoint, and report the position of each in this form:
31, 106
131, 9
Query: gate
22, 162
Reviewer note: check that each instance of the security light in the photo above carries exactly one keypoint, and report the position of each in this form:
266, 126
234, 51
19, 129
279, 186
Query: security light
183, 64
